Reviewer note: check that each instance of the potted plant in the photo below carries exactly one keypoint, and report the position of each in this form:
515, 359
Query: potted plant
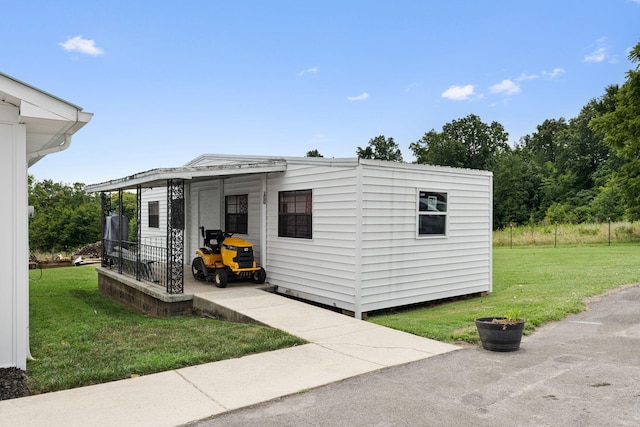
501, 333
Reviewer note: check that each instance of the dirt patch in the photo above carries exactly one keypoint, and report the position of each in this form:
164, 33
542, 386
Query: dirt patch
13, 383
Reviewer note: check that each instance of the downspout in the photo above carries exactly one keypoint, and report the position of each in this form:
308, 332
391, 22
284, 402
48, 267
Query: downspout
263, 223
358, 248
66, 142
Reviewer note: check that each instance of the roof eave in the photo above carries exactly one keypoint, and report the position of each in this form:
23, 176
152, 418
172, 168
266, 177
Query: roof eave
159, 177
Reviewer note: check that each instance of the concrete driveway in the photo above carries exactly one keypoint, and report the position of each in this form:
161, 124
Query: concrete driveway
582, 371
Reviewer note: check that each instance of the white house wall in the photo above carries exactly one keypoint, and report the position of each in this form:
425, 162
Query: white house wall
208, 213
14, 249
199, 213
365, 253
398, 266
322, 269
251, 185
153, 235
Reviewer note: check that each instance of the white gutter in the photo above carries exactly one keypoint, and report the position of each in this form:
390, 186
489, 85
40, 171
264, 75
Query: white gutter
75, 121
158, 177
66, 142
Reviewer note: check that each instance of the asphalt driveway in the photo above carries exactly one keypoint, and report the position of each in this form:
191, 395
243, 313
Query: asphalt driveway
582, 371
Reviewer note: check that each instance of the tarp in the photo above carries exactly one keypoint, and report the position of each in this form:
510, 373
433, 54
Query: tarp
112, 234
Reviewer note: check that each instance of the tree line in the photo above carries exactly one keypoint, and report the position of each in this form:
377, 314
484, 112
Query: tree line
66, 217
585, 169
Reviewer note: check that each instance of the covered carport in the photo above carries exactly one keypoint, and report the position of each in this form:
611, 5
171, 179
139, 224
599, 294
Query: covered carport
167, 265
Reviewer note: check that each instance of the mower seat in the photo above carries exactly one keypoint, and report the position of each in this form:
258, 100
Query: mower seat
213, 239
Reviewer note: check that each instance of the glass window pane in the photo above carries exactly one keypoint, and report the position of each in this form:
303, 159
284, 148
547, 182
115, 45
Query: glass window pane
294, 212
236, 213
432, 224
433, 202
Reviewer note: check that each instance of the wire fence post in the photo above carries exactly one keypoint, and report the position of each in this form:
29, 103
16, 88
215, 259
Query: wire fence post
511, 237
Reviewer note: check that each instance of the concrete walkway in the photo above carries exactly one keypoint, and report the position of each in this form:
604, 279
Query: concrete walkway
339, 347
581, 371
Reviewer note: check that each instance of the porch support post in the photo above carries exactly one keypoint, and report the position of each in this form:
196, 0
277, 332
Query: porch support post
263, 224
138, 228
120, 231
105, 201
175, 236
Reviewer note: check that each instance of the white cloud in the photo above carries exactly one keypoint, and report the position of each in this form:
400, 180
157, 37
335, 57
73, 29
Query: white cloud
599, 54
361, 97
78, 44
506, 86
458, 93
525, 76
312, 70
415, 85
553, 74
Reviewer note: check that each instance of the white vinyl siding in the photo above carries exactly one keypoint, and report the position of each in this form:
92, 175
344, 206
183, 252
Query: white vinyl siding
366, 252
322, 268
252, 186
399, 268
150, 235
203, 209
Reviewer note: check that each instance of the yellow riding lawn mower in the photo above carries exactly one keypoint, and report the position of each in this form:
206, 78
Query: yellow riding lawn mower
225, 257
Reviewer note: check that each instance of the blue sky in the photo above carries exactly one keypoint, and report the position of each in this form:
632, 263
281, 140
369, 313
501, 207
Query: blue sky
170, 80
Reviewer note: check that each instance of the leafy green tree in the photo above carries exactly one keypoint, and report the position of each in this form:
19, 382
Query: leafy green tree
514, 198
380, 148
467, 142
314, 153
540, 151
543, 145
66, 217
584, 150
622, 133
438, 148
608, 203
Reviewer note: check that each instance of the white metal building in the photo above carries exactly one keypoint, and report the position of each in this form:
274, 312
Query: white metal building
360, 235
33, 124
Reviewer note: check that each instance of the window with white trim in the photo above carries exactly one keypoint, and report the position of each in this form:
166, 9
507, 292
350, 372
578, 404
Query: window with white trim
294, 214
237, 213
154, 214
432, 213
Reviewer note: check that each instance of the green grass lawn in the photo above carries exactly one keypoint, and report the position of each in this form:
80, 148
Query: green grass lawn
79, 337
542, 283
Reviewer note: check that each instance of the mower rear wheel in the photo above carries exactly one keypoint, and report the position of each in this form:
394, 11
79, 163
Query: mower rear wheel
197, 268
259, 276
220, 278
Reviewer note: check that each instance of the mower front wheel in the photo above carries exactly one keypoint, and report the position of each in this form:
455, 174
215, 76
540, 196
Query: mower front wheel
259, 276
197, 268
220, 278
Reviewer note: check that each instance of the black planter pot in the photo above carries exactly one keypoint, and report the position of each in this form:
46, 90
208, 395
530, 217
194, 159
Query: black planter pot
499, 336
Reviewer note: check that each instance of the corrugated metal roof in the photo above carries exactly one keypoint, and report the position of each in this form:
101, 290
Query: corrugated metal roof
159, 177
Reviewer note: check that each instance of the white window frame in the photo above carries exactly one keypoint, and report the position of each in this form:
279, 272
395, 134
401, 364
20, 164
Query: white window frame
432, 212
156, 204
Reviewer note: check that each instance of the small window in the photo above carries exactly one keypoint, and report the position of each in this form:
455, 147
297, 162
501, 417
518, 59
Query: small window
294, 214
236, 213
432, 214
154, 214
